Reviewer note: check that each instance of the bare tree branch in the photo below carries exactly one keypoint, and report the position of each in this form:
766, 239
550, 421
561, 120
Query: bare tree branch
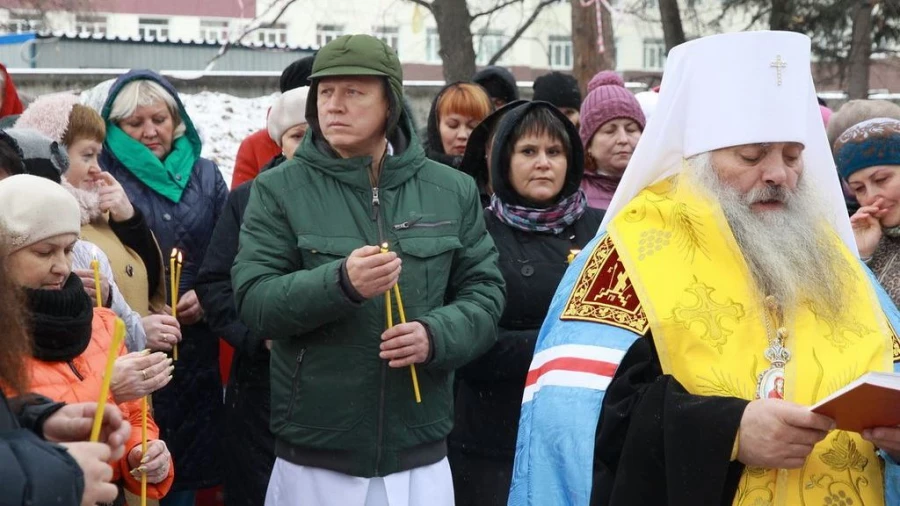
518, 33
254, 26
492, 10
425, 4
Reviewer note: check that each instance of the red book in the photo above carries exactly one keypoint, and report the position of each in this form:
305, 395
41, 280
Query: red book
871, 401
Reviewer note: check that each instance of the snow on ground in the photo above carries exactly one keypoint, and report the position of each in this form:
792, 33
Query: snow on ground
223, 121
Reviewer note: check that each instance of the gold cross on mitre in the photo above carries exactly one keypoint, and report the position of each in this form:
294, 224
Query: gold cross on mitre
779, 65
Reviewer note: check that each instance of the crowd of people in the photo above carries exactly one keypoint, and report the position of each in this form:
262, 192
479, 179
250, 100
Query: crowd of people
607, 300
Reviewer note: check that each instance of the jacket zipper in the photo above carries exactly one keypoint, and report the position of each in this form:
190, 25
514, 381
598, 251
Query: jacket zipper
376, 217
417, 223
294, 381
77, 374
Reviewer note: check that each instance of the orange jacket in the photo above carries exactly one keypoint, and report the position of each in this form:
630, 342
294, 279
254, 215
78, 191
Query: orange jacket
60, 382
254, 153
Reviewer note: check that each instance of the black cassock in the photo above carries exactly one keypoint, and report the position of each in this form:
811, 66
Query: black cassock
657, 444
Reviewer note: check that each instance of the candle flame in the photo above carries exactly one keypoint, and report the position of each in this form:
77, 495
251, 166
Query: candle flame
176, 255
179, 257
574, 251
384, 245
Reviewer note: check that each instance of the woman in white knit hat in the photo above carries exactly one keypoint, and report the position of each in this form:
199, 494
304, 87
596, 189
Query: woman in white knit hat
287, 120
39, 226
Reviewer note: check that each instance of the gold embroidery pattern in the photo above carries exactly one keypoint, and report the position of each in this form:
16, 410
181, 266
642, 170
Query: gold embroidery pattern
841, 333
709, 313
896, 348
843, 456
684, 223
653, 241
604, 293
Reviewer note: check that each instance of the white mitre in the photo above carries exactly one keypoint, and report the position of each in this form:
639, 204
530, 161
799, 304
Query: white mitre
733, 89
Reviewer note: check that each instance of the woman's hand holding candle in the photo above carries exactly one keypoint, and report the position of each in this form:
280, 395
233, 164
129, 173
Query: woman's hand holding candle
163, 331
87, 279
189, 311
155, 462
73, 423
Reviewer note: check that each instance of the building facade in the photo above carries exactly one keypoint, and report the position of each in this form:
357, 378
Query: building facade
407, 27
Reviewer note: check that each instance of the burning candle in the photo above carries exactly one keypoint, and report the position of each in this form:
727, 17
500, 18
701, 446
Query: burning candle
572, 254
95, 265
175, 263
143, 450
117, 339
390, 324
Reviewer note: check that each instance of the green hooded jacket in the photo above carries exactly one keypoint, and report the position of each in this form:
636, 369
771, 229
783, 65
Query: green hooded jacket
335, 403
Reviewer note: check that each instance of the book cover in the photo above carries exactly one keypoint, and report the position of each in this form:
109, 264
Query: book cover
871, 401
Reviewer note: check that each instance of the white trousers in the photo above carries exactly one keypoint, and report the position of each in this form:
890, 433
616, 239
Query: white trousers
293, 485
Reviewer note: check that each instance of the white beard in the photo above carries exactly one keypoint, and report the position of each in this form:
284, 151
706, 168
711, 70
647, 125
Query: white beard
788, 251
88, 202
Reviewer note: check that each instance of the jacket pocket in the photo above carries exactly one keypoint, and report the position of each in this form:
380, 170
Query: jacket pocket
317, 250
295, 383
427, 266
437, 396
323, 399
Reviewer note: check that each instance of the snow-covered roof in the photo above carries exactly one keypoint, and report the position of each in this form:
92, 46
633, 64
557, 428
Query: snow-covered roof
250, 44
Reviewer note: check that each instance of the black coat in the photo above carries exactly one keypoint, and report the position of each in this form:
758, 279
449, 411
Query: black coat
250, 445
188, 410
489, 395
489, 390
33, 471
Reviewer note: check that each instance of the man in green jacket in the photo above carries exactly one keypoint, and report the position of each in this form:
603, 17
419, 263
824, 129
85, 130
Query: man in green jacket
310, 276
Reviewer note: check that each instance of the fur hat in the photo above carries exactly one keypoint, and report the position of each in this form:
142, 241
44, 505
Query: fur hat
287, 112
33, 209
607, 100
49, 114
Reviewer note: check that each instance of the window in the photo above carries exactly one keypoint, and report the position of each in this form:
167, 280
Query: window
489, 44
327, 33
20, 22
213, 30
432, 46
390, 35
560, 47
153, 28
275, 34
654, 54
90, 24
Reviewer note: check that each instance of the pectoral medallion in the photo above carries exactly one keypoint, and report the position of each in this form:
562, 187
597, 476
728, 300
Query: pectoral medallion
770, 383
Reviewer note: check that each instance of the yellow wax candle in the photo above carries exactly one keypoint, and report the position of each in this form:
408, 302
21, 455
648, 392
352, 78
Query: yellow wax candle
412, 367
390, 324
387, 297
572, 254
118, 338
95, 265
143, 450
175, 282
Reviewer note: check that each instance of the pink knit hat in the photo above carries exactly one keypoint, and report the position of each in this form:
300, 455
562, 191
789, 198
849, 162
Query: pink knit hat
607, 100
49, 115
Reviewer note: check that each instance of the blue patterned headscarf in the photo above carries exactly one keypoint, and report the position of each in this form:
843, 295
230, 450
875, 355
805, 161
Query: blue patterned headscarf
871, 143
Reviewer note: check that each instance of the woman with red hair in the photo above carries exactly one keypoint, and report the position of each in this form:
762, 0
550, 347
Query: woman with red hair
455, 112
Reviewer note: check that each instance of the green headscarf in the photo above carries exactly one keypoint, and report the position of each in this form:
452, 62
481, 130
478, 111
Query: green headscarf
167, 177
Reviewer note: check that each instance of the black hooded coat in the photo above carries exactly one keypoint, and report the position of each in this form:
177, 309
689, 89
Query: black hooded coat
474, 160
490, 389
